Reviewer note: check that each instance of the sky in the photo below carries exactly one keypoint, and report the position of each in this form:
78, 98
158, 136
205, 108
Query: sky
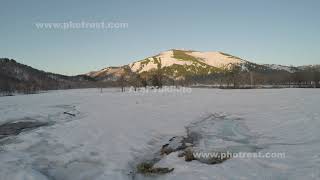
262, 31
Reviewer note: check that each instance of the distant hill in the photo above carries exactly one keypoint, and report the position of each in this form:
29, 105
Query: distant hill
177, 64
195, 67
19, 77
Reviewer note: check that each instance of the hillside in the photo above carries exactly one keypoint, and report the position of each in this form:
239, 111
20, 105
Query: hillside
178, 64
19, 77
195, 67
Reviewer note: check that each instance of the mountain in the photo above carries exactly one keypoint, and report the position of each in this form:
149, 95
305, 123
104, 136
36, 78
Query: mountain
190, 61
177, 64
19, 77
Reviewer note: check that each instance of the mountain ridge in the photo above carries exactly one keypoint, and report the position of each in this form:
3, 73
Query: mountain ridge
178, 63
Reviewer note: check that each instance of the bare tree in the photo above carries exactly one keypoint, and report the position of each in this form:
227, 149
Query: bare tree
233, 75
317, 79
135, 81
159, 75
122, 82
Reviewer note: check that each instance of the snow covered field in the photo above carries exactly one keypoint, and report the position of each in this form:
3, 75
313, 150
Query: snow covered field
112, 130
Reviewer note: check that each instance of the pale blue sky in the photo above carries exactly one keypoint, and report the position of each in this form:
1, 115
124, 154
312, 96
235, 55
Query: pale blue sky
262, 31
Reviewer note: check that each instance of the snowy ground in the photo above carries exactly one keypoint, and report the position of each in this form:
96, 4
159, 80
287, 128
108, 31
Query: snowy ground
112, 130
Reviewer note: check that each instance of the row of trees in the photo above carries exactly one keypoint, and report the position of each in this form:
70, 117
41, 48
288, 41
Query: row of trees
234, 78
8, 88
137, 80
238, 79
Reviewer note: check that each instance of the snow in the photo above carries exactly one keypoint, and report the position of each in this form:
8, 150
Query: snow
280, 67
216, 59
111, 130
166, 61
117, 71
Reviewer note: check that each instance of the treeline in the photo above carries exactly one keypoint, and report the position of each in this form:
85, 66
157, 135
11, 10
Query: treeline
234, 78
308, 78
155, 78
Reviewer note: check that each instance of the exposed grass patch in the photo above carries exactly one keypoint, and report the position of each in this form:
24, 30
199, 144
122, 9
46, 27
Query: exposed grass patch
179, 54
147, 168
145, 62
177, 70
